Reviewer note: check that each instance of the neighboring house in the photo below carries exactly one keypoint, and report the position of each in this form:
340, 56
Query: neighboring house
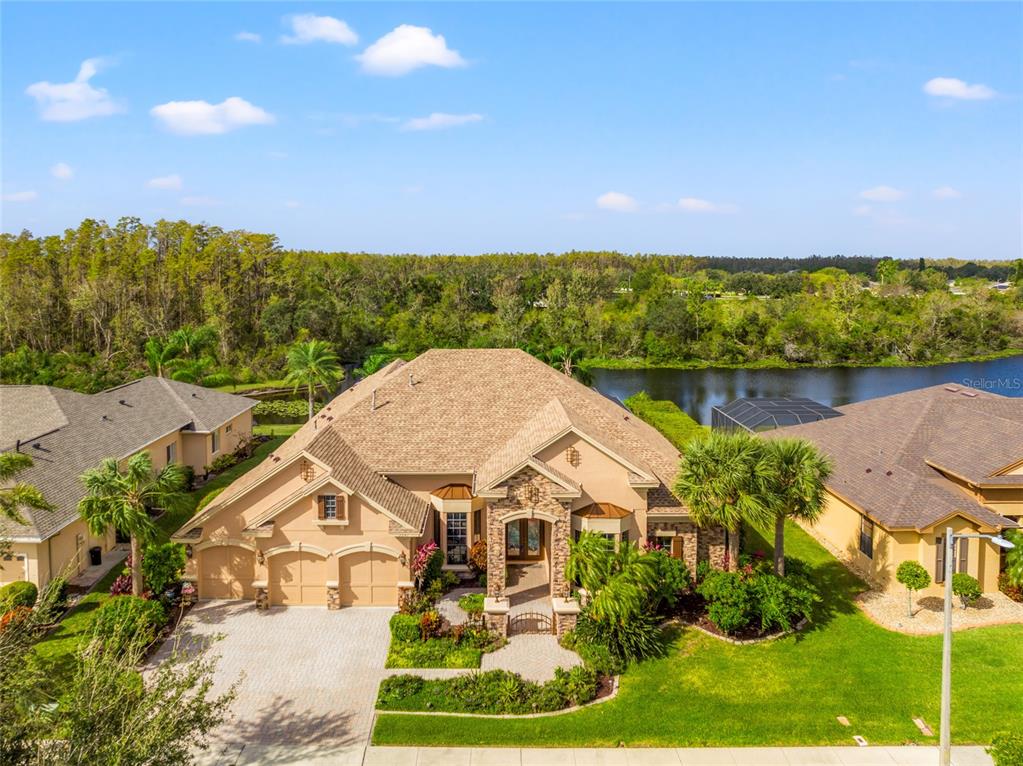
908, 466
66, 433
454, 446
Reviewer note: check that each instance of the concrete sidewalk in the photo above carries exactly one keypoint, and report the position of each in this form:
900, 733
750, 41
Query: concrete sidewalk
313, 755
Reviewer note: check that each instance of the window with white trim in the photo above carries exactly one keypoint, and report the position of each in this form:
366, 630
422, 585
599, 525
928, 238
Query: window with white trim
457, 537
330, 506
172, 452
215, 442
866, 537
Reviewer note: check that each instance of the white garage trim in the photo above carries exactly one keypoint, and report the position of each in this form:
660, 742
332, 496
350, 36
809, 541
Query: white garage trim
229, 541
530, 513
368, 547
302, 547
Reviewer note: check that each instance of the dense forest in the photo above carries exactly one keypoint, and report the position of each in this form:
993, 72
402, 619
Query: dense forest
77, 310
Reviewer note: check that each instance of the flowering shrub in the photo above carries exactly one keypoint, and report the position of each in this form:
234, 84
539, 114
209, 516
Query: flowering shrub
427, 563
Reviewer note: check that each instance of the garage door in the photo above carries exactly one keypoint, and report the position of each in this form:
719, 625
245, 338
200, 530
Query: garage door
227, 571
298, 577
368, 579
12, 568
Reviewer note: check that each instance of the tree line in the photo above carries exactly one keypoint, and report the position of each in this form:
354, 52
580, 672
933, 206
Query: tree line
96, 305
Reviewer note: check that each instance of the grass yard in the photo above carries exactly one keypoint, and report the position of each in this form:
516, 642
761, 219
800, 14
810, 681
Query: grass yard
704, 692
276, 429
57, 648
241, 388
666, 416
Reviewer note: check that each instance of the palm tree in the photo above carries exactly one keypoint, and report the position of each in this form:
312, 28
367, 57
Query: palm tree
312, 363
619, 581
1014, 557
796, 485
723, 479
122, 499
193, 340
19, 494
159, 354
202, 371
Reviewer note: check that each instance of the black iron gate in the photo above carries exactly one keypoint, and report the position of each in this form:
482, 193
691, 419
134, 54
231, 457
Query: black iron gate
530, 622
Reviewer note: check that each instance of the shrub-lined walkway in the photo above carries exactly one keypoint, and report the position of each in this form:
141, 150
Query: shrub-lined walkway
57, 648
704, 692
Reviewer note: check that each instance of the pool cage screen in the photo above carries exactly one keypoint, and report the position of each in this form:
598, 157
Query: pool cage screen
766, 414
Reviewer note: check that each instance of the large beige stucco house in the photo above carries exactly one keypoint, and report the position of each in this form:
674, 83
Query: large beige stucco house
908, 466
65, 433
454, 446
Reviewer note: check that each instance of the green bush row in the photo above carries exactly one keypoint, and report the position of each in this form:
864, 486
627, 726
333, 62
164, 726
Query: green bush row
666, 417
432, 653
493, 692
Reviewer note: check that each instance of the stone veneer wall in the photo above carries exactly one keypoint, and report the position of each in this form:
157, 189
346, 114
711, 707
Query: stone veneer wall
516, 501
699, 544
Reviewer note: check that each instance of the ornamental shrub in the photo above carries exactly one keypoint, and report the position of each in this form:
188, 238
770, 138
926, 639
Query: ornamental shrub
222, 463
427, 563
1007, 749
966, 587
755, 597
18, 593
635, 639
1010, 589
12, 618
405, 627
478, 557
429, 625
672, 579
162, 566
123, 620
914, 576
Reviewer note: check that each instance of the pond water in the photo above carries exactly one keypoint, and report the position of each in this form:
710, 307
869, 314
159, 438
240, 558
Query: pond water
697, 391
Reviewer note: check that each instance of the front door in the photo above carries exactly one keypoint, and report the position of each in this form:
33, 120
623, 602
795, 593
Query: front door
524, 540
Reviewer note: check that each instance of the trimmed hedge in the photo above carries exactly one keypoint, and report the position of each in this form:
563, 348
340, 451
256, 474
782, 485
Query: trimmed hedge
405, 627
494, 692
18, 593
666, 417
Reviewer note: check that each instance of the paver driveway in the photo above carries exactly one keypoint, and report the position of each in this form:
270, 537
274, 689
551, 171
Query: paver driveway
307, 675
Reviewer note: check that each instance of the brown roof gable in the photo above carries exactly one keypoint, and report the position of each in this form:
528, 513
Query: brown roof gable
885, 450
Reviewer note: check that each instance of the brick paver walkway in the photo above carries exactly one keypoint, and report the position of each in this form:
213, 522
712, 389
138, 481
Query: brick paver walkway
534, 657
309, 676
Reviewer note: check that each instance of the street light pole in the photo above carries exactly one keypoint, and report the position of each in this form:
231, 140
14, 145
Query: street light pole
945, 746
946, 658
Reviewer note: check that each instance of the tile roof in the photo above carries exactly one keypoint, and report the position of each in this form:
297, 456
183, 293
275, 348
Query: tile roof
468, 411
886, 452
77, 431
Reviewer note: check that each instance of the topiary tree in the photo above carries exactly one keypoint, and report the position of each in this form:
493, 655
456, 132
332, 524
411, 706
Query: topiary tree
914, 576
966, 587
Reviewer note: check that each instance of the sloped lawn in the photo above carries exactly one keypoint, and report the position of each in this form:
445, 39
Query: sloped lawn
57, 648
786, 692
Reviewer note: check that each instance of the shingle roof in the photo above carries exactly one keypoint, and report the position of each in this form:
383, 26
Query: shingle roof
885, 452
469, 411
114, 423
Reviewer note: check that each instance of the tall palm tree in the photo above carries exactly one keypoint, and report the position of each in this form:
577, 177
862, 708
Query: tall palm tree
122, 499
193, 340
159, 354
18, 495
796, 485
312, 363
202, 371
723, 479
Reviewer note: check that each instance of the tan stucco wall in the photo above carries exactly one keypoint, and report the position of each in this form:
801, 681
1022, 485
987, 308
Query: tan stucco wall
158, 449
602, 478
840, 527
58, 555
198, 447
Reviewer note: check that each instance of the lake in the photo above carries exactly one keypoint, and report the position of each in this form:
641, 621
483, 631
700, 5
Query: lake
697, 391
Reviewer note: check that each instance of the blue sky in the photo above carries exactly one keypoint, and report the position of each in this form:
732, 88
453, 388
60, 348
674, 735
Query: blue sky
725, 129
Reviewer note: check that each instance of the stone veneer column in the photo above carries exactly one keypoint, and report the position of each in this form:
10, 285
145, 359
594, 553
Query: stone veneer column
518, 500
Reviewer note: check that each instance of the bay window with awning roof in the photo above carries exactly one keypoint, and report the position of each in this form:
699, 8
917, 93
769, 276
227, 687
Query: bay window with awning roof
461, 522
607, 519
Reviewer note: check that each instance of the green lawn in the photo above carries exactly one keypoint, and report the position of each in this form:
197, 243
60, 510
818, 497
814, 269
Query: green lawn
276, 429
57, 648
238, 388
704, 692
666, 416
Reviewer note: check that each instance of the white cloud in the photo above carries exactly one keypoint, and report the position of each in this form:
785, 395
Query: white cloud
697, 205
946, 192
172, 182
292, 203
22, 196
406, 48
200, 201
62, 171
310, 28
76, 100
620, 203
439, 120
193, 118
862, 210
953, 87
882, 194
248, 37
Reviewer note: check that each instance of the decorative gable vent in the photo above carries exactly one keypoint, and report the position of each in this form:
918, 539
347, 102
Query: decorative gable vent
532, 494
308, 472
573, 457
